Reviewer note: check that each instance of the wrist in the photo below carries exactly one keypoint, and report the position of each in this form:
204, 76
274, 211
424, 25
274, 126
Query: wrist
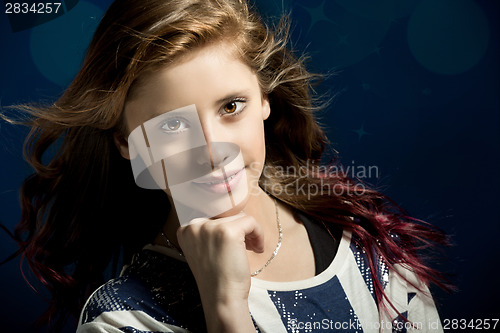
229, 315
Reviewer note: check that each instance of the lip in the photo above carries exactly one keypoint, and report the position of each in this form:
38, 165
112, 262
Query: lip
218, 184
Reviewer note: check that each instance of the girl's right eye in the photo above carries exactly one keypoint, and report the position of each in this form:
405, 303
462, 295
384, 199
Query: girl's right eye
175, 125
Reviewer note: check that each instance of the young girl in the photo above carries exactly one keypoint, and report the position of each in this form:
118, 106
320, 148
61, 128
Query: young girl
293, 255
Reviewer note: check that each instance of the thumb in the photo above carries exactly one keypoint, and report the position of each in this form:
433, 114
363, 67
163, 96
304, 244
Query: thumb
254, 238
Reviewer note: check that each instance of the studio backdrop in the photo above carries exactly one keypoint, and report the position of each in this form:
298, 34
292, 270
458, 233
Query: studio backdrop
413, 91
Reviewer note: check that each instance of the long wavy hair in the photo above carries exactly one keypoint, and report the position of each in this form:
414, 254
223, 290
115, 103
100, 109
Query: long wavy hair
81, 207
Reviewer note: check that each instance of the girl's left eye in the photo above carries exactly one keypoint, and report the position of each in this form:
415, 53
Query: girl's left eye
175, 125
233, 108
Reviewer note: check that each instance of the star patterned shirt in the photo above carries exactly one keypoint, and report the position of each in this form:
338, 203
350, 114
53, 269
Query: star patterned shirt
158, 293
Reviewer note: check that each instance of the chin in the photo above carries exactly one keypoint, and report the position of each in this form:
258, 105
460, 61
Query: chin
234, 210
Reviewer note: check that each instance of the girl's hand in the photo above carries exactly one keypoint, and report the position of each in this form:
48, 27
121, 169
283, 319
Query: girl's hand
216, 253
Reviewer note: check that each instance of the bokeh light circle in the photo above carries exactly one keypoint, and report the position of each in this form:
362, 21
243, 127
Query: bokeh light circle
58, 46
448, 36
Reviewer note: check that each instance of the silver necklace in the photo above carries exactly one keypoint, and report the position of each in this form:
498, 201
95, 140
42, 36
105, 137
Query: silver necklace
280, 238
171, 245
257, 272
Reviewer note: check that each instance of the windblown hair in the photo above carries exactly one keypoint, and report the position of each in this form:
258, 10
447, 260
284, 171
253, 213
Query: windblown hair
81, 210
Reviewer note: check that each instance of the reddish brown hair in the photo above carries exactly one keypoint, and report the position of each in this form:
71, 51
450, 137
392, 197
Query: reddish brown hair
80, 210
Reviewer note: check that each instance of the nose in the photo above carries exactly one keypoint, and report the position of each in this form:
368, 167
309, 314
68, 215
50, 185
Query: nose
217, 152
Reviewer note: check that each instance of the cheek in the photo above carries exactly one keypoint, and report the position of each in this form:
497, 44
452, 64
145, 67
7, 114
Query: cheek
253, 144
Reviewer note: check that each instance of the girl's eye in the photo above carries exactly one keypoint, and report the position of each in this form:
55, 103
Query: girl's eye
234, 107
175, 125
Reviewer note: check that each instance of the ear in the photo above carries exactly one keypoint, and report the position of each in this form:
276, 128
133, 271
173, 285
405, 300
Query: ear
266, 108
122, 145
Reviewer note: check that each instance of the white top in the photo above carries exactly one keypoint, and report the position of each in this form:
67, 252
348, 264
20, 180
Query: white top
341, 298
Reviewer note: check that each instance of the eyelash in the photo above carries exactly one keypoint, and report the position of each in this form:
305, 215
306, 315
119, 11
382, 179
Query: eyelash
234, 114
165, 122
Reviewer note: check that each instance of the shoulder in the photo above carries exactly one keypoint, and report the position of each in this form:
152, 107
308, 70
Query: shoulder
155, 293
398, 282
402, 287
120, 305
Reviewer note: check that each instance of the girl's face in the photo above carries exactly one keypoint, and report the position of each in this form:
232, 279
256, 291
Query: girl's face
228, 100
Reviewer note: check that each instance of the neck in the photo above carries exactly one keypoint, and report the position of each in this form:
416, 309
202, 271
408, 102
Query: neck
261, 207
170, 226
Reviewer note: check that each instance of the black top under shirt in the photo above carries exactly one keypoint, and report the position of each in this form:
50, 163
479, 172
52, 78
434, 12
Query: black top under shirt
158, 293
323, 245
165, 289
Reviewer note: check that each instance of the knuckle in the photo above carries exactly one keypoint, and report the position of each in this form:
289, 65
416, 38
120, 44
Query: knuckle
187, 231
223, 231
206, 230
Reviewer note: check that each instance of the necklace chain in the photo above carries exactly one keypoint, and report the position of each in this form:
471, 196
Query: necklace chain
257, 272
278, 245
171, 245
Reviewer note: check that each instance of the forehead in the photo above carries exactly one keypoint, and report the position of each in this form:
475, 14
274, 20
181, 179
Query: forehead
201, 77
187, 65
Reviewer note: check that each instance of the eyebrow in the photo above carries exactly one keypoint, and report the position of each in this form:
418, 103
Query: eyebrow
231, 96
172, 113
217, 103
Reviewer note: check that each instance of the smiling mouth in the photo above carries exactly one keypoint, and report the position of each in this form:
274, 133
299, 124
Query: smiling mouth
221, 183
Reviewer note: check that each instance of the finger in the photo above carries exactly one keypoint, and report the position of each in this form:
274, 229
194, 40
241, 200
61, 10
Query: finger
254, 235
255, 244
222, 219
197, 220
242, 224
230, 218
196, 224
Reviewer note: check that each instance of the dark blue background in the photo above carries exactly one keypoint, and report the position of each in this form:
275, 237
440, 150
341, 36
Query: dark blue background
414, 87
